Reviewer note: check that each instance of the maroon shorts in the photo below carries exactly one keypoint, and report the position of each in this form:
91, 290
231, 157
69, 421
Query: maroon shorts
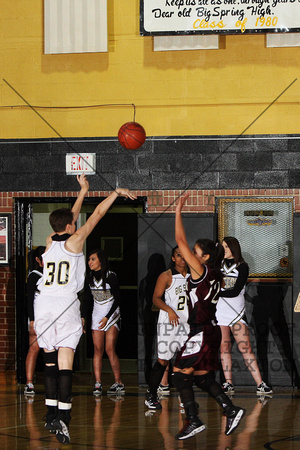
201, 351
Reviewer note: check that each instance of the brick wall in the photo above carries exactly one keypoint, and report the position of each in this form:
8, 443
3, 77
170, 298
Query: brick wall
158, 201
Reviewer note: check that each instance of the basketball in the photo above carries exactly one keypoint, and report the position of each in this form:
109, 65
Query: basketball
131, 135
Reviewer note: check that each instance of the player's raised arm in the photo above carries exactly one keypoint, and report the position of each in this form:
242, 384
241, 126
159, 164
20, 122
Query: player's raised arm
84, 184
196, 267
75, 242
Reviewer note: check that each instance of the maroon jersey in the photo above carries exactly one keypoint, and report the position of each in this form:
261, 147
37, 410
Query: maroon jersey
203, 297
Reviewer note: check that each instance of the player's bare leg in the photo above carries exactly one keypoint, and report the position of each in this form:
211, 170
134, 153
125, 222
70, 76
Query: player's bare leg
241, 334
31, 360
226, 359
110, 348
99, 342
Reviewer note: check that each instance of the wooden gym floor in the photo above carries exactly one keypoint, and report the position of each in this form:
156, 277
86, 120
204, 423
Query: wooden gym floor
125, 422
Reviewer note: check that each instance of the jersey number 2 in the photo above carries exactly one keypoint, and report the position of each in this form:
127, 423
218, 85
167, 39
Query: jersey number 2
181, 303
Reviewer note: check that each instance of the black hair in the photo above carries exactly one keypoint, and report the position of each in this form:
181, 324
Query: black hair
104, 267
60, 218
35, 253
172, 263
215, 251
235, 248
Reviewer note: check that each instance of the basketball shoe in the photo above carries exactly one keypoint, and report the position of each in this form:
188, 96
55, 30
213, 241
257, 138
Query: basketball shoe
29, 389
228, 388
163, 390
49, 422
193, 424
233, 417
263, 389
97, 389
152, 401
62, 431
116, 389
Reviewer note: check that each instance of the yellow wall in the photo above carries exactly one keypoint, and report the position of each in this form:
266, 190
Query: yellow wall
198, 92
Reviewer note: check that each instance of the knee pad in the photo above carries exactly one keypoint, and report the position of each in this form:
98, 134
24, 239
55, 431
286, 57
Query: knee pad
182, 380
205, 381
51, 371
51, 366
158, 367
50, 358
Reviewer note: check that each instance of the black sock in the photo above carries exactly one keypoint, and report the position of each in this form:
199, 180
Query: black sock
51, 381
65, 385
65, 396
155, 377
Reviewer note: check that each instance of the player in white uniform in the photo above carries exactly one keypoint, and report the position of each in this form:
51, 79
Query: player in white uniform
231, 317
172, 327
57, 315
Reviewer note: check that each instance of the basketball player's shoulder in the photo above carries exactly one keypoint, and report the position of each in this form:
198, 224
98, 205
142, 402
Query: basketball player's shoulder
166, 274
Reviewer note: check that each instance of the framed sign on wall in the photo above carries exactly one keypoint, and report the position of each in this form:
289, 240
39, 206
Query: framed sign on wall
5, 239
264, 228
165, 17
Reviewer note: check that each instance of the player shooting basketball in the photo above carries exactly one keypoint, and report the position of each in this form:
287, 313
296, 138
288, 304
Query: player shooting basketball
57, 314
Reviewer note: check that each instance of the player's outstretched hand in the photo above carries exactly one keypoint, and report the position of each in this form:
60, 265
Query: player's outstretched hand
181, 201
84, 184
125, 193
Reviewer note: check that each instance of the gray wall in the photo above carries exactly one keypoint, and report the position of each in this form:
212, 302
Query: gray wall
199, 162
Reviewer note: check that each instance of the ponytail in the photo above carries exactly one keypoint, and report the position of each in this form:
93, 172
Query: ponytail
215, 251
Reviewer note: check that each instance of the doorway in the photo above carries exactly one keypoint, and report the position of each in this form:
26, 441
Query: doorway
118, 225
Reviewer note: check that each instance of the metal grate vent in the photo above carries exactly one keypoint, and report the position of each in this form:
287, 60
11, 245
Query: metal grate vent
264, 228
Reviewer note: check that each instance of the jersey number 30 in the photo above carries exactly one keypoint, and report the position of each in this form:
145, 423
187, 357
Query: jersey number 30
61, 272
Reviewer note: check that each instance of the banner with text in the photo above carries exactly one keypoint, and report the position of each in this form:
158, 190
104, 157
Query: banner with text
169, 17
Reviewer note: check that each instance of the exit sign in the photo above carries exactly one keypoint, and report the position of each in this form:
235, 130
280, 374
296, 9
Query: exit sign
77, 163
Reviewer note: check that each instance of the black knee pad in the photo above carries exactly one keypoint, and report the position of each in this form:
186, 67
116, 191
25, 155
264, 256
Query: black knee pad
50, 357
205, 381
182, 380
158, 367
51, 371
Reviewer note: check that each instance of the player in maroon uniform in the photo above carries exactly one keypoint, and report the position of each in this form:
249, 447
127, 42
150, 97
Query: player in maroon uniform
198, 358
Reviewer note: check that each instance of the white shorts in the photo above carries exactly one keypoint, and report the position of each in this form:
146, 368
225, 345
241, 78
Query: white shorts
230, 311
57, 321
170, 339
100, 310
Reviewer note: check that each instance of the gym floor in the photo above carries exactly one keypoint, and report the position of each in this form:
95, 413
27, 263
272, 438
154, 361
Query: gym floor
124, 422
